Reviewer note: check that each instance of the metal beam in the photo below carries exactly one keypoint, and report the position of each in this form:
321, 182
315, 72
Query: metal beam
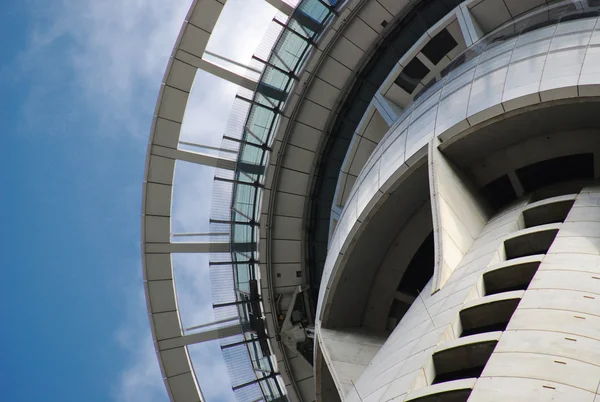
188, 247
198, 247
193, 157
216, 70
200, 337
387, 109
281, 6
468, 25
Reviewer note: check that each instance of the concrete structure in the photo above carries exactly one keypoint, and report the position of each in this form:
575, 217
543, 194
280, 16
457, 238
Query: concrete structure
415, 211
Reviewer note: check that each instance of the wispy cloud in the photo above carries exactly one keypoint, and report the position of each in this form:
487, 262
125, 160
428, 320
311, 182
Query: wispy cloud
108, 57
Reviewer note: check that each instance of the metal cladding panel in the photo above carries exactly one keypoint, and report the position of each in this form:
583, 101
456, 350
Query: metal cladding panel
184, 388
299, 159
347, 53
157, 229
181, 76
194, 40
166, 133
305, 136
374, 13
323, 93
518, 7
159, 199
361, 34
287, 228
206, 15
291, 181
173, 104
162, 295
161, 170
175, 361
490, 14
289, 205
158, 267
166, 325
334, 72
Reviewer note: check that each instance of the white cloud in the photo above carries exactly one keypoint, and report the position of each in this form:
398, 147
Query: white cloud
141, 379
108, 58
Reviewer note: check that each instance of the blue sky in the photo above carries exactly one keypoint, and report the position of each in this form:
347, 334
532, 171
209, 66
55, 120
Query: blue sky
78, 84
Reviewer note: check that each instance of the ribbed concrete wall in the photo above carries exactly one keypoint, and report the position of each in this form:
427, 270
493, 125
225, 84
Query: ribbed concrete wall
404, 364
550, 349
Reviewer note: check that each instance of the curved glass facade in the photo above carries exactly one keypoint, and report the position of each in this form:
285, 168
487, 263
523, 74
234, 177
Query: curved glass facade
286, 59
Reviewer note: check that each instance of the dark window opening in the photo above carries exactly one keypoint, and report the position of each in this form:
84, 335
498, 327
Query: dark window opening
509, 278
555, 212
500, 326
419, 270
439, 46
499, 192
412, 74
556, 170
529, 244
471, 372
487, 317
418, 273
464, 361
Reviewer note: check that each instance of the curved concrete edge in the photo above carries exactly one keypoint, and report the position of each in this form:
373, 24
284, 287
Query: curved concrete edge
536, 229
499, 297
464, 385
527, 389
161, 300
447, 127
549, 210
515, 261
464, 353
537, 239
458, 212
466, 341
552, 200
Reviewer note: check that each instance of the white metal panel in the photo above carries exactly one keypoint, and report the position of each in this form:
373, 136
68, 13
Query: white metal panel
166, 133
158, 199
194, 40
517, 7
305, 136
158, 229
184, 388
162, 295
173, 103
175, 361
181, 75
287, 228
373, 13
291, 181
323, 93
346, 53
160, 170
394, 6
206, 16
158, 267
286, 251
334, 72
313, 115
361, 34
490, 14
166, 325
289, 205
299, 159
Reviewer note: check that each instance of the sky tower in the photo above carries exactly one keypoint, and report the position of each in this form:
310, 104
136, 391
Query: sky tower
405, 204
